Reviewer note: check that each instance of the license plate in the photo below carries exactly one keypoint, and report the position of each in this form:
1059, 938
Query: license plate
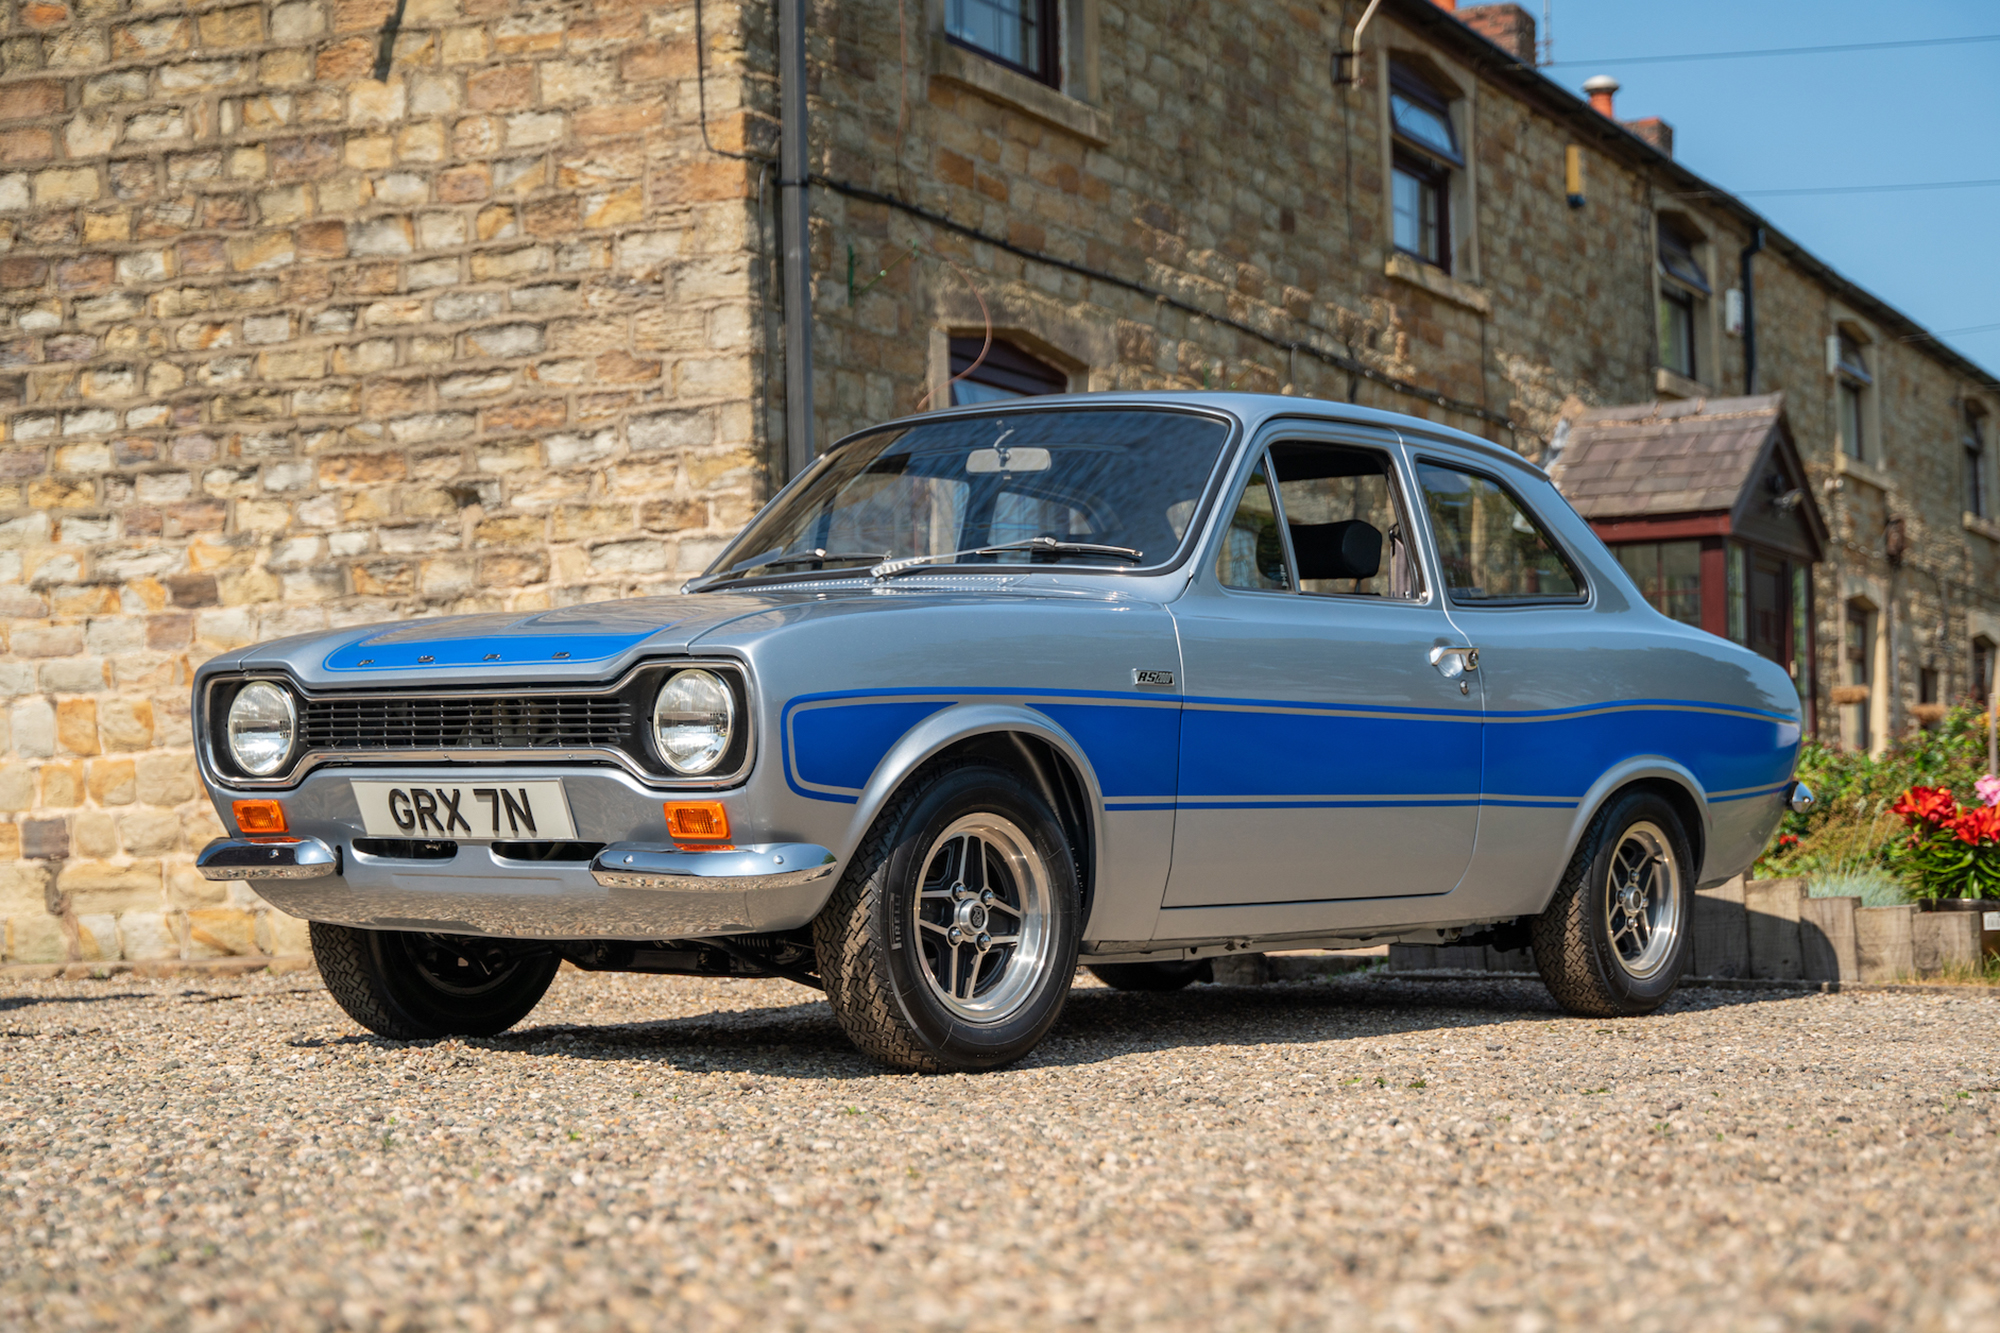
515, 811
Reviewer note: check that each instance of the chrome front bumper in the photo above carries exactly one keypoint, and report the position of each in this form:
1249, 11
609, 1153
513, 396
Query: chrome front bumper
630, 891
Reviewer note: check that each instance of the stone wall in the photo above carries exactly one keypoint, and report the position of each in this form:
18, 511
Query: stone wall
283, 346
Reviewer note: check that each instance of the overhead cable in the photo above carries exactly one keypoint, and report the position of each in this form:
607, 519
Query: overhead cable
1779, 51
1845, 189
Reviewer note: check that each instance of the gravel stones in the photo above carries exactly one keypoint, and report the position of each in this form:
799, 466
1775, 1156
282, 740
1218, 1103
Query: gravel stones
1354, 1152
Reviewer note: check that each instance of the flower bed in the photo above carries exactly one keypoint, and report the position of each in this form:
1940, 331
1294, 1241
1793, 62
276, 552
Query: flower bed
1854, 841
1951, 850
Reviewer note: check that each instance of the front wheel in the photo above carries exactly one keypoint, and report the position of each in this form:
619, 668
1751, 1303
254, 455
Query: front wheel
410, 986
1614, 940
952, 939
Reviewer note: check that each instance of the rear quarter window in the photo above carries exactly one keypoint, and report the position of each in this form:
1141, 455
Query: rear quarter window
1494, 551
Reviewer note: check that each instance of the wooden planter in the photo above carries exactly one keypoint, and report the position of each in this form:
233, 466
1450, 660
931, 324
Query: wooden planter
1989, 926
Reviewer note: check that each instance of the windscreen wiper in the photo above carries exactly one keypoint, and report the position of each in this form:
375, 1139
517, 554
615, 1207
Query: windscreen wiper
1049, 545
773, 560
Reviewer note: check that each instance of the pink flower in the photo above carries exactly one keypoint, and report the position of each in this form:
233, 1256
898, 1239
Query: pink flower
1988, 788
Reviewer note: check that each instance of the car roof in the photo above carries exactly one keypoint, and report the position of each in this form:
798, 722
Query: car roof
1252, 410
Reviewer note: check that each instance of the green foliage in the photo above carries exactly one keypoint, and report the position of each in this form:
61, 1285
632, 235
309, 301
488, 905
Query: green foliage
1851, 832
1937, 863
1874, 887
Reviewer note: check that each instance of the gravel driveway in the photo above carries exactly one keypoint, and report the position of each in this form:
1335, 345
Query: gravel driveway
1355, 1152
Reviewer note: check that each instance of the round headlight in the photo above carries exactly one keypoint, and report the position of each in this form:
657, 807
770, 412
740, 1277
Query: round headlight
262, 726
693, 720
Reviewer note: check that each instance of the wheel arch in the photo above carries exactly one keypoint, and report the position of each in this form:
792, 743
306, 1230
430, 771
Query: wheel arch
1670, 780
1013, 737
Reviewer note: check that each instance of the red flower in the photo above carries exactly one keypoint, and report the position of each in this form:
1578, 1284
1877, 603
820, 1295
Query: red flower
1979, 824
1927, 805
1788, 840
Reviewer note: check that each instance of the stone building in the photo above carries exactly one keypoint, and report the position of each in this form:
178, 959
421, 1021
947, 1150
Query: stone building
327, 311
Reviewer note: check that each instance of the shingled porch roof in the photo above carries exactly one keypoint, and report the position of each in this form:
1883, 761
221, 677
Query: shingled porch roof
1709, 465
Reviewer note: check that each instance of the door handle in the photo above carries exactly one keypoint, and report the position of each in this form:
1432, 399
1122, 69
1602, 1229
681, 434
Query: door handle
1453, 661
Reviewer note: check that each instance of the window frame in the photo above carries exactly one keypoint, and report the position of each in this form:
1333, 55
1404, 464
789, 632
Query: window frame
1258, 460
1657, 547
1853, 379
1586, 590
1978, 497
1412, 85
1682, 286
1862, 621
1014, 369
1432, 177
1680, 302
1048, 31
1424, 163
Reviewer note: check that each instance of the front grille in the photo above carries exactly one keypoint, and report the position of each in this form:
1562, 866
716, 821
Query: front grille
528, 722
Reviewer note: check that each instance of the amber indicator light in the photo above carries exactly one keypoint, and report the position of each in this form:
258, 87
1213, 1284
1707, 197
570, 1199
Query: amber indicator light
697, 821
260, 816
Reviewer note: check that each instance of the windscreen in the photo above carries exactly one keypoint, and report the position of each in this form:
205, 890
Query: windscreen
1118, 478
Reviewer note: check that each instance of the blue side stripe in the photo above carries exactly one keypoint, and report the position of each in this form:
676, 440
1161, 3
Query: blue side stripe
1162, 697
1243, 754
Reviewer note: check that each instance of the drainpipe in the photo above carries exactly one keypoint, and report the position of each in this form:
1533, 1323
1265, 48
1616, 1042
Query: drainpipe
1750, 251
794, 236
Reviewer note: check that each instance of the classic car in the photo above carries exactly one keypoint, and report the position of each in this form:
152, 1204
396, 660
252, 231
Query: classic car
1127, 680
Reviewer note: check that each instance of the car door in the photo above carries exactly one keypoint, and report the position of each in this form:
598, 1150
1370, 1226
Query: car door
1548, 665
1330, 737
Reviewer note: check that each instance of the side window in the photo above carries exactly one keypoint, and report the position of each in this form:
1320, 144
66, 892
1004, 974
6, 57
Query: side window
1253, 554
1346, 525
1493, 551
1023, 34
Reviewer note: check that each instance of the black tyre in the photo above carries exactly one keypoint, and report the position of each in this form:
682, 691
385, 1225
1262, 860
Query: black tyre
1614, 940
408, 986
1151, 976
952, 938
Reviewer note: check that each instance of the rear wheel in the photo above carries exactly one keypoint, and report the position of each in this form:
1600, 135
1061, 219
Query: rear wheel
1614, 940
408, 985
952, 939
1151, 976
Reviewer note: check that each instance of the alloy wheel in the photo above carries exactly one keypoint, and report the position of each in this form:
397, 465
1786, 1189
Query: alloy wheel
982, 915
1643, 900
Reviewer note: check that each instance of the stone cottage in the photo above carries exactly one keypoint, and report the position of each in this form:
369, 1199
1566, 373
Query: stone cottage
316, 312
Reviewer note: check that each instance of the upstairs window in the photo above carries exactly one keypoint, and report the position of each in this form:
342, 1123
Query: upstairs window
1021, 34
1425, 153
1978, 502
1852, 384
1005, 372
1684, 290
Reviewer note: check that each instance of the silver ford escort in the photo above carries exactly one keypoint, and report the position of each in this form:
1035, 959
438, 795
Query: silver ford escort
1133, 680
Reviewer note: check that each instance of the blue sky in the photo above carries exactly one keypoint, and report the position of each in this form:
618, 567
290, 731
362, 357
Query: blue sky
1863, 118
